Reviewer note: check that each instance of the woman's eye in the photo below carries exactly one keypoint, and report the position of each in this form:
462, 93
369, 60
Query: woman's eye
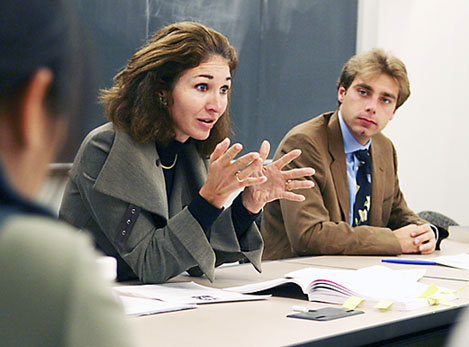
224, 89
201, 86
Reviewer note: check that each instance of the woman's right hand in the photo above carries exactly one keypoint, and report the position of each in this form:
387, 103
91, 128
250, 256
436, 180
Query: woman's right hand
226, 175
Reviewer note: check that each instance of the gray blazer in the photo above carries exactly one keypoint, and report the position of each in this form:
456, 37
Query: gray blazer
117, 191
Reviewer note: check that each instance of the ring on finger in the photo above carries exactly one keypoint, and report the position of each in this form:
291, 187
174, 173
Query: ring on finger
237, 177
287, 185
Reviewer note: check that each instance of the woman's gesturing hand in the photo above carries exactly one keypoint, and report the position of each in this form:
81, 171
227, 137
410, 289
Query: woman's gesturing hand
278, 184
226, 175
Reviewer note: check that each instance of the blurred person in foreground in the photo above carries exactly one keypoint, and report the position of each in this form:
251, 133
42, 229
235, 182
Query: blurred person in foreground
51, 292
459, 335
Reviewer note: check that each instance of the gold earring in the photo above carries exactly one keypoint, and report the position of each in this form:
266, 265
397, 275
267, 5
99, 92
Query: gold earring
163, 101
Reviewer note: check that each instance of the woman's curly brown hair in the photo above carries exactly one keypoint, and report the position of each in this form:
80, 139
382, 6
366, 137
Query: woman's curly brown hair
132, 103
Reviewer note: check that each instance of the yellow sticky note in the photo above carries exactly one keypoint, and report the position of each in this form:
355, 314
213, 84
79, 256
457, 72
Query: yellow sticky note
432, 289
454, 291
446, 302
352, 302
384, 305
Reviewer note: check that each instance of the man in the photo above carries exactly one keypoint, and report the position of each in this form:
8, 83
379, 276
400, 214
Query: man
357, 206
51, 292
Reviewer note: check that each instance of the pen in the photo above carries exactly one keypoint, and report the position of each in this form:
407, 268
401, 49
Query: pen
414, 262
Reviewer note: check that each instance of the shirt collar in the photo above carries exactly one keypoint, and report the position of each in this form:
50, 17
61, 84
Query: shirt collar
350, 143
9, 198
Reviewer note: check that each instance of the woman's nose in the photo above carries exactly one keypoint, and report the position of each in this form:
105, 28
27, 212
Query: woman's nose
217, 103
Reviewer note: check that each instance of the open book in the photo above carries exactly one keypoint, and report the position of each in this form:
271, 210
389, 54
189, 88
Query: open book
373, 284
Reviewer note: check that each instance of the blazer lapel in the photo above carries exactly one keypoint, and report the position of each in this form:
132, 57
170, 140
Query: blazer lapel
377, 182
130, 173
338, 165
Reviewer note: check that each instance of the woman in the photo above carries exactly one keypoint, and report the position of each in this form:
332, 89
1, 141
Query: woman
142, 183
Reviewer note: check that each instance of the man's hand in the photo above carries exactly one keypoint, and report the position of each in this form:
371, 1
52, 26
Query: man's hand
416, 238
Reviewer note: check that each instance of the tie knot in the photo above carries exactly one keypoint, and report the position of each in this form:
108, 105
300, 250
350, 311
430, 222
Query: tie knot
363, 155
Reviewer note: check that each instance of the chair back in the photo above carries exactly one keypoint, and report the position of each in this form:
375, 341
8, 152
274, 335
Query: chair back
53, 188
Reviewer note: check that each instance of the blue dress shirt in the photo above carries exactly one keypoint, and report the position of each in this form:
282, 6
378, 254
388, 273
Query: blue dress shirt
351, 145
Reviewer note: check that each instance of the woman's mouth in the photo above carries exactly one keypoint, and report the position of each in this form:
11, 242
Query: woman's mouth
207, 123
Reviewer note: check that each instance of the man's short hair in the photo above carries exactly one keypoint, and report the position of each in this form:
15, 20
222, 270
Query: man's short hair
376, 62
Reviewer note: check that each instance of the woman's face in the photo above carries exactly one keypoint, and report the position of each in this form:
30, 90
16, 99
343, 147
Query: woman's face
199, 98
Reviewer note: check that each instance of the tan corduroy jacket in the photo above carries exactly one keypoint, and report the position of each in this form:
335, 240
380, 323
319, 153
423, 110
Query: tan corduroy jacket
319, 225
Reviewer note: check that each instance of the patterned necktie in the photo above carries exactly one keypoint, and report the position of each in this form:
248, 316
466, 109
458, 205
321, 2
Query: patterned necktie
363, 197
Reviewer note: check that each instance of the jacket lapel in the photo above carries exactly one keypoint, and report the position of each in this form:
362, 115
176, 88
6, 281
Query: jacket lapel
130, 173
338, 165
377, 181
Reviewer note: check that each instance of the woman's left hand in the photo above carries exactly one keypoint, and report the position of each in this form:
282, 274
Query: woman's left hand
279, 184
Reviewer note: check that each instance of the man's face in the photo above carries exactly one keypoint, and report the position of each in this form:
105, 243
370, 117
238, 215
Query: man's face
368, 105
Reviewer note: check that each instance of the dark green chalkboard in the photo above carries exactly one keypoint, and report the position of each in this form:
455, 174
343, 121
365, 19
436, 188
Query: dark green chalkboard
290, 52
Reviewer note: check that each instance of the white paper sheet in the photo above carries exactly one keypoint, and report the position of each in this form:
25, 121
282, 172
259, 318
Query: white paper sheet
460, 261
134, 306
185, 293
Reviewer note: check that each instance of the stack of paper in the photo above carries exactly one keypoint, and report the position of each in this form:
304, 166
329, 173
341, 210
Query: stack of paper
373, 285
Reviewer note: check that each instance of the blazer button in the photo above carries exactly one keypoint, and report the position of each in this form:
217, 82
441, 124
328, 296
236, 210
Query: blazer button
123, 232
128, 221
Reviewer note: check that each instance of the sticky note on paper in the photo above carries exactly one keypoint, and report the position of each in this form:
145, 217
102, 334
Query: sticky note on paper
432, 289
384, 305
432, 300
455, 291
352, 302
446, 302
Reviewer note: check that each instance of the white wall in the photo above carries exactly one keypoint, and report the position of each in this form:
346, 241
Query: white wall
431, 130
